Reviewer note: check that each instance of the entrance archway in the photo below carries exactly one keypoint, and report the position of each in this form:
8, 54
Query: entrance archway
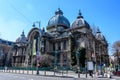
33, 40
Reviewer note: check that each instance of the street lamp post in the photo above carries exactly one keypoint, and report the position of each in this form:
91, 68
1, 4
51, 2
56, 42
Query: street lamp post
100, 59
55, 63
38, 47
117, 59
78, 62
36, 22
56, 58
38, 60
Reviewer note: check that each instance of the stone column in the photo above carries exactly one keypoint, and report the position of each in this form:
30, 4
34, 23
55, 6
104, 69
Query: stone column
61, 59
68, 44
67, 60
47, 46
56, 46
62, 46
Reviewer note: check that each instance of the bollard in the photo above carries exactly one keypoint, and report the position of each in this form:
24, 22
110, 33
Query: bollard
45, 72
86, 72
9, 70
32, 71
23, 71
67, 72
78, 69
62, 72
54, 72
19, 70
12, 70
27, 72
15, 71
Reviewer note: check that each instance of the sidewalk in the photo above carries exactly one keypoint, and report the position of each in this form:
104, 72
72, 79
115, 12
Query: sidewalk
60, 74
116, 77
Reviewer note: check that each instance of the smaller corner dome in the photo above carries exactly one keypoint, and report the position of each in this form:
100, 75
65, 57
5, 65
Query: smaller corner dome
80, 22
22, 38
58, 19
99, 36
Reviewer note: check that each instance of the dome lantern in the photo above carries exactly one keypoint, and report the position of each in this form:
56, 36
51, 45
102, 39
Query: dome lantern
79, 15
59, 12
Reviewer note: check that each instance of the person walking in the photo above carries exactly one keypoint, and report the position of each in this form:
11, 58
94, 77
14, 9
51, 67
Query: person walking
108, 73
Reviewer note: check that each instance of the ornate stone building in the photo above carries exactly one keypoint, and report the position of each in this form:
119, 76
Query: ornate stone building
56, 41
19, 52
6, 50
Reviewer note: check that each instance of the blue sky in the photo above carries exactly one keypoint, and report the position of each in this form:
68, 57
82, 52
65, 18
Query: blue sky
18, 15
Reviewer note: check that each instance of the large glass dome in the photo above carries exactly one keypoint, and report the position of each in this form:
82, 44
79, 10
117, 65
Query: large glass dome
58, 20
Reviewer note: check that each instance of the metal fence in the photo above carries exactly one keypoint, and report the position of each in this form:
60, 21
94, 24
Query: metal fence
45, 71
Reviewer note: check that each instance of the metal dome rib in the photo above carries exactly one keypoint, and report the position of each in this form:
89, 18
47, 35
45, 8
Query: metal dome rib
58, 19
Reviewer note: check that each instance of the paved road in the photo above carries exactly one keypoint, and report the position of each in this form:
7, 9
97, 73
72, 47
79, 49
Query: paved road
12, 76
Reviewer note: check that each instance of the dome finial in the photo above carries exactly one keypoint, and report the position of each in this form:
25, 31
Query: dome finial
23, 33
43, 29
33, 24
98, 30
58, 8
79, 15
59, 11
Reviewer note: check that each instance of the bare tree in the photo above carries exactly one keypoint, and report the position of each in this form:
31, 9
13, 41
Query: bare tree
116, 48
94, 29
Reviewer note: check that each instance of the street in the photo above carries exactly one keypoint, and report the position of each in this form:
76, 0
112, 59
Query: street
13, 76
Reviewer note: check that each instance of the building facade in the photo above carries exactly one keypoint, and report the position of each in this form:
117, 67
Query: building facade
6, 50
59, 40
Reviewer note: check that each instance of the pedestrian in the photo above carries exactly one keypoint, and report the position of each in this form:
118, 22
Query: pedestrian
108, 73
91, 73
97, 73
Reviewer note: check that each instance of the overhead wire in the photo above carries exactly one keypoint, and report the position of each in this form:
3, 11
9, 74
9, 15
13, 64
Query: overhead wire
12, 6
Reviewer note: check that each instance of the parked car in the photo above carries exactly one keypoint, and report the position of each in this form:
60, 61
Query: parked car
117, 73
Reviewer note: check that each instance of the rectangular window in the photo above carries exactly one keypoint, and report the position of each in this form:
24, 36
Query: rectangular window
53, 46
65, 45
59, 45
